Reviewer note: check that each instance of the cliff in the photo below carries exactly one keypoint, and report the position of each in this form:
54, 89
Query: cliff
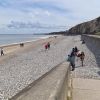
90, 27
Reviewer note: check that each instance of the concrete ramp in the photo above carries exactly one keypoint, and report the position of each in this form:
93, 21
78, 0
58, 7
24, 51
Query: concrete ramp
86, 89
52, 86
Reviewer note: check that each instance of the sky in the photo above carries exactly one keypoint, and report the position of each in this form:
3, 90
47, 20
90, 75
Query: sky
43, 16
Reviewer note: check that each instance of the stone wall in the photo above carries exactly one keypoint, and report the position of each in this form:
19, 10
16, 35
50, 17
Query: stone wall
93, 44
63, 88
53, 85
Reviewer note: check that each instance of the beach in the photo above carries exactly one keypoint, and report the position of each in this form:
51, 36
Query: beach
23, 65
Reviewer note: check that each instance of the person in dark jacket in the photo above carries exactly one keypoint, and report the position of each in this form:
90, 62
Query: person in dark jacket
2, 53
72, 59
48, 45
76, 49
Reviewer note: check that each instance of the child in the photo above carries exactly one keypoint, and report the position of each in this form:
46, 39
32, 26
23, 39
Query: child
82, 55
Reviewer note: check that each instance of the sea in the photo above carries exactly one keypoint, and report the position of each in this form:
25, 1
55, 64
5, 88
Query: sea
7, 39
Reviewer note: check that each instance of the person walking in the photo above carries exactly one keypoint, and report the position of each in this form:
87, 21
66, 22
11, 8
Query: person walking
48, 45
72, 59
76, 49
2, 53
82, 56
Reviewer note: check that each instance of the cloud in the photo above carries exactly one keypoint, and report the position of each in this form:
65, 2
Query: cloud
46, 14
22, 25
26, 5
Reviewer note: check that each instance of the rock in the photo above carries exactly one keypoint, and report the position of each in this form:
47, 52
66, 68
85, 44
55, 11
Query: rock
90, 27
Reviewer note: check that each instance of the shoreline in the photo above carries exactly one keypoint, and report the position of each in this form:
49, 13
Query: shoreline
9, 48
29, 41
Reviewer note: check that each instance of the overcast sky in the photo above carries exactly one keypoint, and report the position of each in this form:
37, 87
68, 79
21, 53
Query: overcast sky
40, 16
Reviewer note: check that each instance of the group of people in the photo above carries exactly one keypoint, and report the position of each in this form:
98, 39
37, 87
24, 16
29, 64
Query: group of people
47, 46
75, 53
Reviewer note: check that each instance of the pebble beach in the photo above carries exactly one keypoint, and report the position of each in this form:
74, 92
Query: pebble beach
27, 65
